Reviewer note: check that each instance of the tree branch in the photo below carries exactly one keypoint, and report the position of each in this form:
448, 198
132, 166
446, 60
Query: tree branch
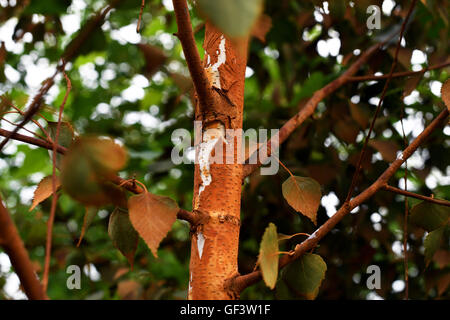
192, 218
241, 282
70, 52
415, 195
15, 249
198, 74
398, 74
310, 107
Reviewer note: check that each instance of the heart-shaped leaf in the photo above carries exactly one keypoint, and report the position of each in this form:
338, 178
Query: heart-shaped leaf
306, 274
44, 190
268, 256
429, 216
233, 17
303, 194
152, 216
123, 235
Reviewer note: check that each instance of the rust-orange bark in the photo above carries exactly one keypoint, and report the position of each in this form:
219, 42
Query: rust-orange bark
215, 242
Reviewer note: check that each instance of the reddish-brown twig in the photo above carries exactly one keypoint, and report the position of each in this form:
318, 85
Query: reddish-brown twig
239, 283
51, 219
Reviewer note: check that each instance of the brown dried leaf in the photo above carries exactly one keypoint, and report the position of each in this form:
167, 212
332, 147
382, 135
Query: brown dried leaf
262, 27
154, 58
411, 84
152, 216
303, 194
44, 190
388, 149
404, 56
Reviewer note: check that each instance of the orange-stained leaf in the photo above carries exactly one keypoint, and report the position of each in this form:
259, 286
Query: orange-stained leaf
388, 149
303, 194
152, 216
262, 27
44, 190
122, 234
89, 216
268, 256
445, 93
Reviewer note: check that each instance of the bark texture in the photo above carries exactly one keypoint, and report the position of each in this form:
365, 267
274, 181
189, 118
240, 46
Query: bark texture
217, 187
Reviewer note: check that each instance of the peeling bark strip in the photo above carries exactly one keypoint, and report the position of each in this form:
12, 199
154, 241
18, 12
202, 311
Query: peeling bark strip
217, 187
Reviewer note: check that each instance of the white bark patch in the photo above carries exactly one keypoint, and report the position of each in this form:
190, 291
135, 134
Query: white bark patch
213, 70
203, 159
210, 138
200, 244
190, 287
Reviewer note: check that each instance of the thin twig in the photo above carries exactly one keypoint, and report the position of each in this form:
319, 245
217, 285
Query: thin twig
140, 16
405, 216
397, 74
182, 214
51, 219
27, 130
70, 52
308, 110
239, 283
417, 196
378, 109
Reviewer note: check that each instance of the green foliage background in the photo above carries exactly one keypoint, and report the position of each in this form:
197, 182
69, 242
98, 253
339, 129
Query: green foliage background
287, 69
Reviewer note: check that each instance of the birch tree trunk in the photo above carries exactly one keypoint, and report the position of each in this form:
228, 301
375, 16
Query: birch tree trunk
217, 187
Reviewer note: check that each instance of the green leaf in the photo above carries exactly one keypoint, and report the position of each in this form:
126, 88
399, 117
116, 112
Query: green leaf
429, 216
152, 216
268, 256
233, 17
432, 242
303, 194
306, 274
65, 138
86, 167
122, 234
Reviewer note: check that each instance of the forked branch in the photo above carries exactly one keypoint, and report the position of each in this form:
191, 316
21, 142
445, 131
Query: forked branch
192, 218
241, 282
